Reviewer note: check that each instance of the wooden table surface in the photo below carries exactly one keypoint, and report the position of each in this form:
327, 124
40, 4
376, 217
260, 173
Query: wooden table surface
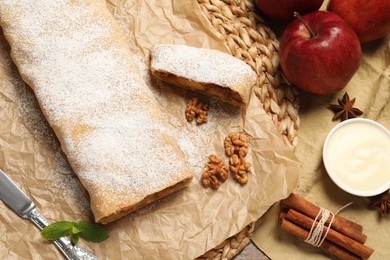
251, 252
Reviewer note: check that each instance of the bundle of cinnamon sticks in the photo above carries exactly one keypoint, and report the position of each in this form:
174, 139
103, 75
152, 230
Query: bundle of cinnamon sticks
345, 239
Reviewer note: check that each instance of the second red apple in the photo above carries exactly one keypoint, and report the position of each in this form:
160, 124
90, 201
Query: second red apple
283, 10
319, 52
369, 18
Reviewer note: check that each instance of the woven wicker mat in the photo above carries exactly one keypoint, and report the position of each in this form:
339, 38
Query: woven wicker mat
250, 39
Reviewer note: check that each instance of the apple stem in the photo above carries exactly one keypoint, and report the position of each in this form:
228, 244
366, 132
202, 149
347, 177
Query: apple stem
298, 16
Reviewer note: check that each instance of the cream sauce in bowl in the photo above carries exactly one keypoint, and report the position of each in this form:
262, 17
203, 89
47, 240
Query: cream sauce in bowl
356, 155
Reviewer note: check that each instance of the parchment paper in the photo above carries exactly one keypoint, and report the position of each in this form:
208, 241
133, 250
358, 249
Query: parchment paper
182, 226
371, 87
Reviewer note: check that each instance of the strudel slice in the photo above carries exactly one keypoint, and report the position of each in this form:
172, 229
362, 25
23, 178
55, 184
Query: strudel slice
204, 70
74, 56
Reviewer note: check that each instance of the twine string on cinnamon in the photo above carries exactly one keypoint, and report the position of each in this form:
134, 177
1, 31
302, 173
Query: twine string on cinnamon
315, 236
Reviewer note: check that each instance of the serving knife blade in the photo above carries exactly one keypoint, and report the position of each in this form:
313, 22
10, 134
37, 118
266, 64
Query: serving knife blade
14, 197
22, 205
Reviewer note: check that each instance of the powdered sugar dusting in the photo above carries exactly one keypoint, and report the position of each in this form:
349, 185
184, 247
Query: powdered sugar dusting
88, 86
128, 141
66, 185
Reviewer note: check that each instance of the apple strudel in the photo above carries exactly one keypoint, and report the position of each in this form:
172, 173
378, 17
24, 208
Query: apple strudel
75, 58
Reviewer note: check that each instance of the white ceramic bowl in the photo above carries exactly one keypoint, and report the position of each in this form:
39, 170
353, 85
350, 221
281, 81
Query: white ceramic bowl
356, 155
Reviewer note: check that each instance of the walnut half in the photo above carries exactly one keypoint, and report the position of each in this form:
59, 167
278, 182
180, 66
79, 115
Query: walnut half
239, 168
215, 172
236, 143
196, 110
236, 148
209, 180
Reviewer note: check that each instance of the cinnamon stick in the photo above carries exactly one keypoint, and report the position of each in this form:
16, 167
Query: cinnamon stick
344, 241
342, 225
327, 246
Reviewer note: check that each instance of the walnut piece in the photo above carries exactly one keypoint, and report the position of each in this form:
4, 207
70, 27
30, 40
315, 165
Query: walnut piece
196, 110
209, 180
239, 168
236, 148
215, 172
236, 143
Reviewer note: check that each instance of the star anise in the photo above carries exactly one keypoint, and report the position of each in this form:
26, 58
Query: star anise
344, 109
382, 202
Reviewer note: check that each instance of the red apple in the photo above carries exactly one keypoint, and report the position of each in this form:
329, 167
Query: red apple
283, 10
369, 18
319, 52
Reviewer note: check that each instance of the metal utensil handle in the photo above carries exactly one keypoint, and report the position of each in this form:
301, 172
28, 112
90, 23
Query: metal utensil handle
71, 252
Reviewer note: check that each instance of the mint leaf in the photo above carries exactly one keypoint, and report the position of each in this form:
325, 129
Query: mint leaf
57, 230
91, 232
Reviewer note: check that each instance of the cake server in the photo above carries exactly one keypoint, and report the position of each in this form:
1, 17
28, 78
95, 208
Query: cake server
22, 205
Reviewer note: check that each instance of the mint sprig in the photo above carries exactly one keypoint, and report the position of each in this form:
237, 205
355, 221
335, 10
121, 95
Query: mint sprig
89, 231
